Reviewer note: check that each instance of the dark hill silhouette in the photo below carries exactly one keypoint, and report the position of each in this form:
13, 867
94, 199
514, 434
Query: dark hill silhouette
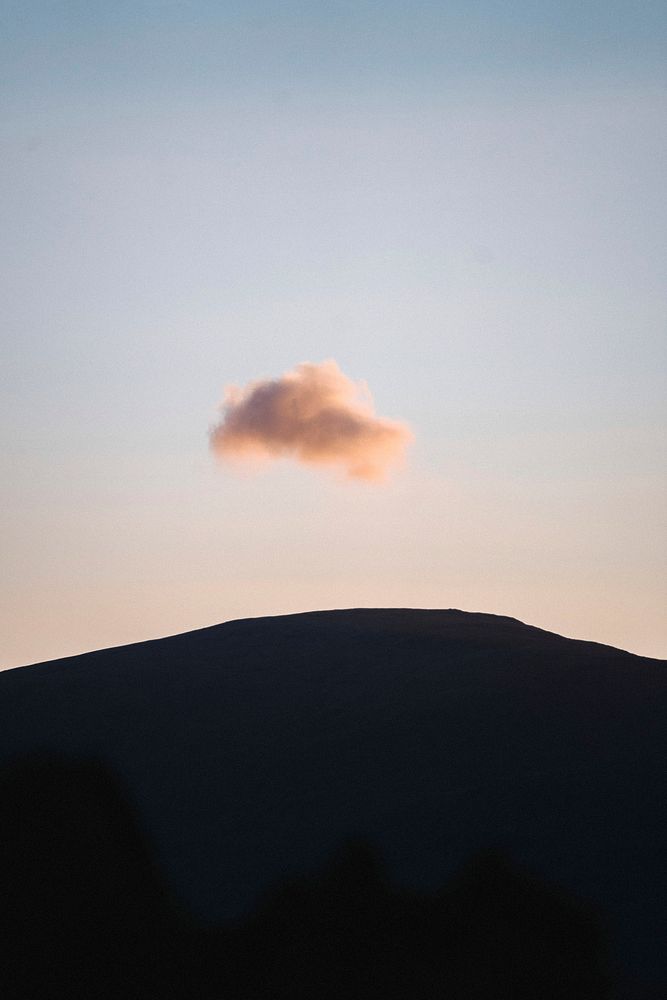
251, 750
84, 914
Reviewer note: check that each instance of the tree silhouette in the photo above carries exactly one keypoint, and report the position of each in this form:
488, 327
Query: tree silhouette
84, 913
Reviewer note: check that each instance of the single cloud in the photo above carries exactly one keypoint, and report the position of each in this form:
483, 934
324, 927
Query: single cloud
313, 414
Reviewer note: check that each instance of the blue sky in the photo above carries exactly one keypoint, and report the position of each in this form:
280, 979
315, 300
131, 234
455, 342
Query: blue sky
338, 44
462, 204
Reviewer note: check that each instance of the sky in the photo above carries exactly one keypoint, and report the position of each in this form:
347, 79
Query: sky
462, 205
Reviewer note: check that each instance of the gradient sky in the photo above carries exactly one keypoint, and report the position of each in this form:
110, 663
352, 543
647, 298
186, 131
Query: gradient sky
461, 203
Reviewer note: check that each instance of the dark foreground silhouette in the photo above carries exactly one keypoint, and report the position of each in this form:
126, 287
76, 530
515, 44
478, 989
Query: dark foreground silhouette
85, 914
250, 751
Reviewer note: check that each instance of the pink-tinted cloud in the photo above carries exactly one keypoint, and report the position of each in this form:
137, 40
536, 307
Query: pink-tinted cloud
313, 414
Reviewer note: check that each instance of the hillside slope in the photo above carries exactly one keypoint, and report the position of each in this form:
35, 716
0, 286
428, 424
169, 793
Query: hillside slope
252, 749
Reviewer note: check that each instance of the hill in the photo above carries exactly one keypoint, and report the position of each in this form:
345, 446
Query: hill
251, 750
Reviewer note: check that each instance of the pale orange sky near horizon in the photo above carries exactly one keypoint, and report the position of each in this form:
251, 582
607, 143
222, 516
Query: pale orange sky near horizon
286, 547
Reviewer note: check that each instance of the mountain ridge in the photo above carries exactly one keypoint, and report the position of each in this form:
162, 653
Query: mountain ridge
480, 616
